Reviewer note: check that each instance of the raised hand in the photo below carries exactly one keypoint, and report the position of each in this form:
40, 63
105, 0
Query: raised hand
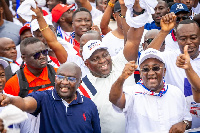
129, 69
168, 22
136, 6
183, 60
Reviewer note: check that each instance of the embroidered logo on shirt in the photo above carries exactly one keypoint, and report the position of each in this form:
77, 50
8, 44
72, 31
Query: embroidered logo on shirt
84, 117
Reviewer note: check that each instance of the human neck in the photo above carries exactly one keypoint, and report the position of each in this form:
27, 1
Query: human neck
1, 22
77, 38
66, 27
157, 24
69, 100
118, 33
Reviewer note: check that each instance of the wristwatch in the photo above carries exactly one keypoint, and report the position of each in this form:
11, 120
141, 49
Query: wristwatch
187, 124
138, 13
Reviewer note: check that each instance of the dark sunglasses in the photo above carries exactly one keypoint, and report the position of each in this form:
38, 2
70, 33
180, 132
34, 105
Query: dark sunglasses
148, 41
37, 55
178, 19
147, 69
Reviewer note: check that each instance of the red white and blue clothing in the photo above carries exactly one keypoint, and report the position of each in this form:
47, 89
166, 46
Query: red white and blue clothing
81, 115
147, 113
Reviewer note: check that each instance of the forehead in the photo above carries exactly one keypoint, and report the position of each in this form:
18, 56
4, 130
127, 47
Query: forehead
5, 41
35, 47
161, 3
182, 13
82, 14
2, 68
187, 29
151, 34
69, 70
151, 62
98, 52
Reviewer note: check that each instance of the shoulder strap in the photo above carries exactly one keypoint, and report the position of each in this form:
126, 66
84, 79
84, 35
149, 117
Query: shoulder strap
8, 72
24, 86
23, 83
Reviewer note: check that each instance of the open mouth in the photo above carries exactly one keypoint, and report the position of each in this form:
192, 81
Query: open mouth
64, 90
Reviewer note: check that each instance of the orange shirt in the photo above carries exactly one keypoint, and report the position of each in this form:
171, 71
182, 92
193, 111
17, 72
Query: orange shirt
12, 85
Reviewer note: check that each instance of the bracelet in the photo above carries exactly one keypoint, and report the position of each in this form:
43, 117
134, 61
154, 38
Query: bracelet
111, 4
44, 28
138, 13
122, 16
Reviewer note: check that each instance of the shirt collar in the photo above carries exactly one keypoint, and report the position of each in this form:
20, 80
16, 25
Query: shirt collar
78, 99
30, 77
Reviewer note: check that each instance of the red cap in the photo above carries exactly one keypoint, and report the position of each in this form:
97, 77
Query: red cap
27, 26
58, 10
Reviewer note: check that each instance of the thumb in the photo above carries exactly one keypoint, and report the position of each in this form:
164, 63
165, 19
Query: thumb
186, 50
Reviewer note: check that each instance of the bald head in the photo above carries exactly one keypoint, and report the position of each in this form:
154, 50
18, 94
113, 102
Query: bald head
72, 68
8, 48
90, 35
151, 34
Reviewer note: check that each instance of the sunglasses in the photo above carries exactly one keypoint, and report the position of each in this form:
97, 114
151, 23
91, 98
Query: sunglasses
61, 78
148, 41
147, 69
37, 55
178, 19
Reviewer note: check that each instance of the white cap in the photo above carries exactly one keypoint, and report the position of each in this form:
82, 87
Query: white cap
150, 53
90, 47
35, 25
3, 63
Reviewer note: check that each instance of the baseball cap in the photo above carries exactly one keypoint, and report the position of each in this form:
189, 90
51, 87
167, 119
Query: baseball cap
150, 53
3, 63
26, 26
58, 10
35, 25
179, 7
117, 7
90, 47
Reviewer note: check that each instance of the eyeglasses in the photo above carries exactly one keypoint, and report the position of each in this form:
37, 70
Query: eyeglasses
148, 41
178, 19
37, 55
61, 78
147, 69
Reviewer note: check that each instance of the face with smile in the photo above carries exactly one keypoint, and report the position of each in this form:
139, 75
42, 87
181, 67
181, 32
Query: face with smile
67, 81
152, 79
82, 22
100, 63
189, 34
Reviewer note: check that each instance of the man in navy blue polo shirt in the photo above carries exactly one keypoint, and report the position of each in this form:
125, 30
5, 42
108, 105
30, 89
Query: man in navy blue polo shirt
62, 109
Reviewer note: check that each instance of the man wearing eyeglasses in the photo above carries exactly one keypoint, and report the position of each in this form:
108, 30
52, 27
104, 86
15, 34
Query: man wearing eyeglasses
62, 109
187, 33
151, 105
148, 38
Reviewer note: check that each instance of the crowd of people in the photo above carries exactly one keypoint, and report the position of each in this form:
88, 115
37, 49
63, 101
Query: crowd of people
100, 66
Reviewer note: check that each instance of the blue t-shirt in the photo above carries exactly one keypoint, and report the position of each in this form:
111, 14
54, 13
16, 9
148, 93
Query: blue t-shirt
81, 116
150, 26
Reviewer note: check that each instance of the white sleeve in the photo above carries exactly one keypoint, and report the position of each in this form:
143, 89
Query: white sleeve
95, 13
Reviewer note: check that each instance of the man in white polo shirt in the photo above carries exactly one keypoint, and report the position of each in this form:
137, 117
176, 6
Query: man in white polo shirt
187, 33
